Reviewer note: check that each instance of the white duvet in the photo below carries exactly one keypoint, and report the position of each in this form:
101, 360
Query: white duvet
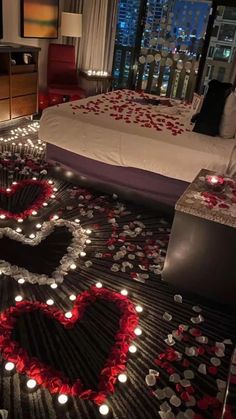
110, 128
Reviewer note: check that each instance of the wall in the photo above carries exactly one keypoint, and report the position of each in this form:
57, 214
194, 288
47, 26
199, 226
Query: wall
11, 33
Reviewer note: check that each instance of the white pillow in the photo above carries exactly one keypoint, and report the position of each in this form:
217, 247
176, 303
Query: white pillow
228, 121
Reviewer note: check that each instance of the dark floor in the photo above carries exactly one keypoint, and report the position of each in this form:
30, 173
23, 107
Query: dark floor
127, 251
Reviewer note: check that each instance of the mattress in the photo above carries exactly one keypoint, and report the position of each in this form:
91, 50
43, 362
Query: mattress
121, 128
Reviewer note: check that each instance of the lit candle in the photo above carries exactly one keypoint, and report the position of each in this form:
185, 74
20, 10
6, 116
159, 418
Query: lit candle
122, 378
104, 409
62, 399
9, 366
21, 281
31, 384
68, 315
215, 182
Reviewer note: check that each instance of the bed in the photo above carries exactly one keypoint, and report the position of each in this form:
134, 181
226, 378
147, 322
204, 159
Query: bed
122, 140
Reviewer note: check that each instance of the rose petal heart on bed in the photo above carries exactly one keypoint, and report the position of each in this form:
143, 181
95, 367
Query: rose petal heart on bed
47, 257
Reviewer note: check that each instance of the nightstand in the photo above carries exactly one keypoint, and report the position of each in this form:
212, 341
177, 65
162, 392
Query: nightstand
95, 84
201, 255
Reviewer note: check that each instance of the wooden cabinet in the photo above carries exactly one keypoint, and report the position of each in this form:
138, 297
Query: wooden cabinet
23, 105
18, 81
4, 110
4, 87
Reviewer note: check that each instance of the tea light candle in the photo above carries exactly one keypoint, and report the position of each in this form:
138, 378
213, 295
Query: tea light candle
215, 182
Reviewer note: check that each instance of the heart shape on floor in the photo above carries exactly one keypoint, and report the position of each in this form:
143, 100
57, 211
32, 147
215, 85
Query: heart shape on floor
23, 197
48, 377
32, 259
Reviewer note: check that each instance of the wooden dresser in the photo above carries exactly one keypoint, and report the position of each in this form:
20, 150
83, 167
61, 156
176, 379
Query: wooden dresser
18, 81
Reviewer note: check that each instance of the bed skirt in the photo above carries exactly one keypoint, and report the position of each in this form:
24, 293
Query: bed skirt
130, 183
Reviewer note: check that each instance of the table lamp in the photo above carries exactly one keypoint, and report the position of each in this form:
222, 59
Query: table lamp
71, 25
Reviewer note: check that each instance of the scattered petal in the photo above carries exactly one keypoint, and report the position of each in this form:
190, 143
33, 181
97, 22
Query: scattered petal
189, 374
175, 401
167, 316
178, 298
150, 379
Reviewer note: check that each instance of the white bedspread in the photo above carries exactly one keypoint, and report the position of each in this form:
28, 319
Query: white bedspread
115, 129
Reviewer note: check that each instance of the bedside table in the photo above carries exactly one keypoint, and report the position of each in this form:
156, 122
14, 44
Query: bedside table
201, 255
95, 84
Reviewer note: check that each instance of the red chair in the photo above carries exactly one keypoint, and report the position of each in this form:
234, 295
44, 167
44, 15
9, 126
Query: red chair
62, 74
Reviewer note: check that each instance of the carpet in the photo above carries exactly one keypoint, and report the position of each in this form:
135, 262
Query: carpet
183, 365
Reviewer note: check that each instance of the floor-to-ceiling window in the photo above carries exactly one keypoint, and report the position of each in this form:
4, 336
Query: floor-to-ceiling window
163, 57
126, 39
221, 56
172, 42
171, 29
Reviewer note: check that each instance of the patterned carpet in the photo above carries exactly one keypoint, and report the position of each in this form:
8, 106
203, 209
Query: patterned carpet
183, 361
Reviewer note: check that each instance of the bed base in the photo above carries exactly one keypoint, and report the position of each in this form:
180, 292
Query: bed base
135, 185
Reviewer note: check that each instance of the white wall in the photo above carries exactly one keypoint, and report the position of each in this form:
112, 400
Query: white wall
11, 33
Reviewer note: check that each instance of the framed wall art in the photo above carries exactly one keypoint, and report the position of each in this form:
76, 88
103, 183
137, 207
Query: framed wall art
39, 18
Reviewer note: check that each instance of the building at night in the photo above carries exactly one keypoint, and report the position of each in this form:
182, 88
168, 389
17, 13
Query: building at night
222, 49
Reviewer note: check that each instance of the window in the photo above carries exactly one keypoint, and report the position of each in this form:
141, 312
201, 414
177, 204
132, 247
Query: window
169, 26
221, 74
215, 31
126, 34
221, 50
211, 72
227, 33
222, 53
208, 70
128, 12
211, 52
230, 13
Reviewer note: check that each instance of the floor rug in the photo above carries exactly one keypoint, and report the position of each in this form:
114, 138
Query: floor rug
178, 360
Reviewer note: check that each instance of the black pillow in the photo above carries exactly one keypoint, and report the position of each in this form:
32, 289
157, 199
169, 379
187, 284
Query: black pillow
209, 118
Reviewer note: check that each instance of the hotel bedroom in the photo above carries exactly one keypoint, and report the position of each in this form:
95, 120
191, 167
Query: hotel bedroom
117, 209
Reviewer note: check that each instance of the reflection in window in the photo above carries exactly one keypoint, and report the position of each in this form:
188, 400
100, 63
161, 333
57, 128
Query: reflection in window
222, 53
211, 52
221, 74
128, 11
227, 33
230, 13
222, 47
215, 31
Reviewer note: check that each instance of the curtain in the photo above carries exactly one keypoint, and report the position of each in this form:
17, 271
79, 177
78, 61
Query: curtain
73, 6
97, 42
112, 14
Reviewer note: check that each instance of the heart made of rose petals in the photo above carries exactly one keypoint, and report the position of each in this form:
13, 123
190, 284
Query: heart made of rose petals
55, 381
22, 198
75, 246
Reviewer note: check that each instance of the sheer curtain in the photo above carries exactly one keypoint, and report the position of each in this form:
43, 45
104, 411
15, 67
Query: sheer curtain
97, 42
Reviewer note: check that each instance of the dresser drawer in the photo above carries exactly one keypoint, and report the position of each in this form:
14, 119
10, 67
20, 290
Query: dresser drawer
4, 110
24, 84
24, 105
4, 87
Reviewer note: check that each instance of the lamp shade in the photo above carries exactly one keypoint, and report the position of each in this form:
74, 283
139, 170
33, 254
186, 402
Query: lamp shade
71, 24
